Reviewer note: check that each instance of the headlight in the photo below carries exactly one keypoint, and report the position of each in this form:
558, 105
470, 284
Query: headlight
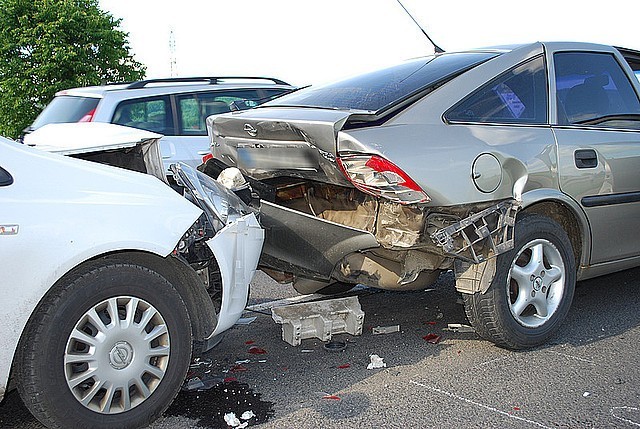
213, 198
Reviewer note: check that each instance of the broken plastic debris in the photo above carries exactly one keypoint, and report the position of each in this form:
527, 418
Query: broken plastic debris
249, 342
585, 394
256, 350
306, 351
516, 408
240, 362
246, 320
229, 379
459, 327
376, 362
193, 384
233, 421
238, 368
334, 397
247, 415
385, 329
344, 366
431, 323
432, 338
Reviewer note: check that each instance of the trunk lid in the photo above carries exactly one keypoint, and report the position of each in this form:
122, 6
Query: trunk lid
277, 141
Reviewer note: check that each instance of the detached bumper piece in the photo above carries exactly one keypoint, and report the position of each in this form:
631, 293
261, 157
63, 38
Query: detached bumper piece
320, 319
480, 236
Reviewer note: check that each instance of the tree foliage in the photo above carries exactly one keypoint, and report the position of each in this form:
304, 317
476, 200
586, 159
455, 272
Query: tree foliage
50, 45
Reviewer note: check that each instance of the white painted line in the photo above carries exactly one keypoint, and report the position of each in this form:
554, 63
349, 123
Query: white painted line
491, 361
572, 357
478, 404
631, 422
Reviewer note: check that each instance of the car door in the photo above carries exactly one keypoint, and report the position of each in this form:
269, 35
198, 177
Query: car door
598, 135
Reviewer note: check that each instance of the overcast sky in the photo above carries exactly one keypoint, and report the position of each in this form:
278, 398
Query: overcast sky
314, 41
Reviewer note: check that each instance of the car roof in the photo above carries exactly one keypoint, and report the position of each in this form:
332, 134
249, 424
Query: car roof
178, 85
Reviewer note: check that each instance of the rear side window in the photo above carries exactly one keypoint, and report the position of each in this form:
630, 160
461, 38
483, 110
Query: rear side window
151, 114
592, 89
65, 109
516, 97
193, 109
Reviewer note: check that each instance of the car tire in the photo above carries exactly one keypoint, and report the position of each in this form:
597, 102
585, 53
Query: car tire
79, 368
532, 289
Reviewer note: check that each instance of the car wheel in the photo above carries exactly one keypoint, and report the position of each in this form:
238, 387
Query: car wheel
532, 289
110, 347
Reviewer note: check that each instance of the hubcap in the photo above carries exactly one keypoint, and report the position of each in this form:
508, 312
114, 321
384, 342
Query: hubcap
117, 354
535, 284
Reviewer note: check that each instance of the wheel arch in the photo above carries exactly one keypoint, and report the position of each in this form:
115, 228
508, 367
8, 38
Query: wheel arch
568, 214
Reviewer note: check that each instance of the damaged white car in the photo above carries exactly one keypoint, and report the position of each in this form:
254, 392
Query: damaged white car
516, 167
111, 279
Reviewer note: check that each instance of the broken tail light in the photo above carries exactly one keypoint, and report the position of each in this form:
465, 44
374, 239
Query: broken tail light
207, 157
382, 178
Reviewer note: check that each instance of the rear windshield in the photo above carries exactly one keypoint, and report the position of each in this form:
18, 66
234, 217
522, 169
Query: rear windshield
64, 109
374, 91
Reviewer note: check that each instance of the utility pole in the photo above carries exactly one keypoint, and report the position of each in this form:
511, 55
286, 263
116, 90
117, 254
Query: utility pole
172, 54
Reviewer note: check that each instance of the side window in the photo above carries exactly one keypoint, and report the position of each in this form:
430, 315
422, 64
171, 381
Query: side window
5, 177
518, 96
195, 108
151, 114
592, 89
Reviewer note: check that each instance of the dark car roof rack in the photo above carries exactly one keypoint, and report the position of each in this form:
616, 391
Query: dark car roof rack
211, 80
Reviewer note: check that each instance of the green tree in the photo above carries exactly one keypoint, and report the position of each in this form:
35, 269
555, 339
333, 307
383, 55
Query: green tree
50, 45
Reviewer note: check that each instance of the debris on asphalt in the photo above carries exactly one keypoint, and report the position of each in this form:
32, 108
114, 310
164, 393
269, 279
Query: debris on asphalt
585, 394
247, 415
333, 397
238, 368
229, 380
246, 320
306, 351
459, 327
204, 383
249, 342
385, 329
234, 422
256, 350
432, 338
431, 322
376, 362
335, 346
240, 362
344, 366
516, 408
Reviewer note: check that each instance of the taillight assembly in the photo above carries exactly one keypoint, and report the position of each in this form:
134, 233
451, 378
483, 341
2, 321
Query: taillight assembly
88, 117
207, 157
382, 178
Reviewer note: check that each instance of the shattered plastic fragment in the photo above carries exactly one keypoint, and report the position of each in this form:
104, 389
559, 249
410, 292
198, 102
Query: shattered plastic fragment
306, 351
432, 323
385, 329
585, 394
344, 366
238, 368
230, 380
233, 421
249, 342
247, 415
246, 320
459, 327
256, 350
240, 362
432, 338
193, 384
334, 397
516, 408
376, 362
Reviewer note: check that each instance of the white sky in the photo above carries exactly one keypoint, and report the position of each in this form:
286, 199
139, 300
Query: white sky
314, 41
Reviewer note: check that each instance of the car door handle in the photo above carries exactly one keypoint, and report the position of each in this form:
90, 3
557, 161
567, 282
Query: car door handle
586, 158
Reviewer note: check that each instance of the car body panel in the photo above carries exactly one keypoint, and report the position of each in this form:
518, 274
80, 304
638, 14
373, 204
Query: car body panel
157, 217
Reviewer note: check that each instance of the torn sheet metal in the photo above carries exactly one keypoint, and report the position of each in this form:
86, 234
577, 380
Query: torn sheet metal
320, 319
237, 249
481, 235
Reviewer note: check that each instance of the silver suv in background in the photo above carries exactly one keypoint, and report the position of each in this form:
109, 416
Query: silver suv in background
174, 107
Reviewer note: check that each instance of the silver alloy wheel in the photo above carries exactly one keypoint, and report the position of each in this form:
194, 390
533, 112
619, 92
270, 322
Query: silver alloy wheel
117, 354
536, 283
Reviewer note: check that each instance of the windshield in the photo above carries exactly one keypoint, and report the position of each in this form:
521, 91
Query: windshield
373, 91
64, 109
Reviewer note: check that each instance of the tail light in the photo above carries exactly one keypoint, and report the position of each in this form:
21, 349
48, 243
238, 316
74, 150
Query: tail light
382, 178
207, 157
88, 117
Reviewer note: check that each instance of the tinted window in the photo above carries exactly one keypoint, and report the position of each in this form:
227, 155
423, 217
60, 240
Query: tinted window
5, 177
195, 108
151, 114
377, 90
593, 89
64, 109
518, 96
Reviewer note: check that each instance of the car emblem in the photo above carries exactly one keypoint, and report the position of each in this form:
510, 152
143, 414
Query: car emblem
250, 130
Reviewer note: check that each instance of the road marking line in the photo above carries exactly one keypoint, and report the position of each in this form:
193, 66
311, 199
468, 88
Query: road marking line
491, 361
478, 404
572, 357
631, 422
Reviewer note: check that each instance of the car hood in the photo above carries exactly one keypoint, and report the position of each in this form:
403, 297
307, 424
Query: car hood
279, 141
89, 139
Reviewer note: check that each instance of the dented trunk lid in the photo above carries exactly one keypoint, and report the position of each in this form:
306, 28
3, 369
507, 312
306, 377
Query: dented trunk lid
278, 141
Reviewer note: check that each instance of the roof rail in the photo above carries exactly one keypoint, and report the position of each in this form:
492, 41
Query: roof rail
211, 80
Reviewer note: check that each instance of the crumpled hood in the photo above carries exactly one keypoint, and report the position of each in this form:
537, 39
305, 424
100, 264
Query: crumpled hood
279, 141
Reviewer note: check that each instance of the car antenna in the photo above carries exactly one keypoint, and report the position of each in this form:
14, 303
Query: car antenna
436, 48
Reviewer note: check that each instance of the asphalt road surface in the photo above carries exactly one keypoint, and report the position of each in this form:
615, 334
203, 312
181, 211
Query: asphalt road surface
587, 376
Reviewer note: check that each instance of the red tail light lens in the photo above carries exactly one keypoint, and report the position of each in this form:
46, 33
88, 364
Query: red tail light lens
88, 117
207, 157
382, 178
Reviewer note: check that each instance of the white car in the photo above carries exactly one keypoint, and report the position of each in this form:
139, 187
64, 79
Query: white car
107, 282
